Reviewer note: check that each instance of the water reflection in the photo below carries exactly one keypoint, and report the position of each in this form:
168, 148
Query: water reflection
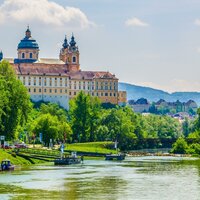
136, 178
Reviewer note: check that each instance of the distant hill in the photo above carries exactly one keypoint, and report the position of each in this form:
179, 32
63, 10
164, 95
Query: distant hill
135, 92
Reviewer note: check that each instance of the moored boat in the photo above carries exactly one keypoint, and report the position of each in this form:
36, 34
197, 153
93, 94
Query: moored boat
69, 160
6, 165
115, 157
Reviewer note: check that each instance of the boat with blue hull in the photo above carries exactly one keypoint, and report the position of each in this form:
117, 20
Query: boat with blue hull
6, 165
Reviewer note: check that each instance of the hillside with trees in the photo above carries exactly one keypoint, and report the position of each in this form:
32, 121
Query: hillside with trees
154, 95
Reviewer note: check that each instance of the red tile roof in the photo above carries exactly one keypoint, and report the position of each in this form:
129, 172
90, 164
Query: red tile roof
40, 69
59, 69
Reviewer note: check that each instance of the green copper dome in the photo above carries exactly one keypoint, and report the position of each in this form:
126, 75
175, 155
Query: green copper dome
28, 42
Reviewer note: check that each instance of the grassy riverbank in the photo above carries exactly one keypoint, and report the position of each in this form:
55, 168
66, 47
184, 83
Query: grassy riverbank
16, 160
93, 147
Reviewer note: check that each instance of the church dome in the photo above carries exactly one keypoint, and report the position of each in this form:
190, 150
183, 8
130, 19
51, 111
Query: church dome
28, 42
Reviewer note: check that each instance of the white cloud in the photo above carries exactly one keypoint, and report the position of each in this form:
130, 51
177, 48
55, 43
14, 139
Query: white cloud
197, 22
43, 11
135, 22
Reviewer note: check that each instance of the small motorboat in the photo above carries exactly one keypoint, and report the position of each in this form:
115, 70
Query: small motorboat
69, 160
115, 157
6, 165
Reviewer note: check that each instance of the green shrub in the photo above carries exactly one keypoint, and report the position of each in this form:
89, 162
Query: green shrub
194, 135
194, 149
180, 146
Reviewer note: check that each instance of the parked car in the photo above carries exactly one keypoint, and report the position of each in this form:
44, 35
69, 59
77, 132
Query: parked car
6, 147
21, 146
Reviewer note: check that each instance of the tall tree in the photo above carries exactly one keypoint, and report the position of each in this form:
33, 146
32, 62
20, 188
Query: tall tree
16, 104
48, 125
186, 127
121, 126
64, 132
113, 122
95, 108
3, 100
80, 117
54, 110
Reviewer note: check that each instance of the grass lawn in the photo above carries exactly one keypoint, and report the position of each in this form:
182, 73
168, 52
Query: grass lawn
4, 154
16, 160
95, 147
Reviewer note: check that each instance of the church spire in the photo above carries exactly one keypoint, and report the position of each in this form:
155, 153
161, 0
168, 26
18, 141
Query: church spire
72, 42
65, 44
1, 55
69, 54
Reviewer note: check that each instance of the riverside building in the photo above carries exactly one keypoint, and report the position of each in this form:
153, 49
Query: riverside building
59, 80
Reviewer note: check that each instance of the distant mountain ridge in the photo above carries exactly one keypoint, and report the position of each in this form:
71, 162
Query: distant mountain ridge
135, 92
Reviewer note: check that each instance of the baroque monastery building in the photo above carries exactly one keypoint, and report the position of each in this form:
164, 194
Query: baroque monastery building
59, 80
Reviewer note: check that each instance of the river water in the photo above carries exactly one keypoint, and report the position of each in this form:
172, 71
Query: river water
136, 178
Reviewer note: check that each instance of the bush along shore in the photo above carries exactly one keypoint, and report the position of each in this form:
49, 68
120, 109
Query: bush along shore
181, 146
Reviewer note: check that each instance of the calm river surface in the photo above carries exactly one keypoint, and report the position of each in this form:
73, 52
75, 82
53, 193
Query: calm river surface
141, 178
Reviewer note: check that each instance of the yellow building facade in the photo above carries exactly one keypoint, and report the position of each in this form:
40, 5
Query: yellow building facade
59, 80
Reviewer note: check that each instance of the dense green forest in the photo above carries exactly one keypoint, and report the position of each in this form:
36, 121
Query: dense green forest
86, 121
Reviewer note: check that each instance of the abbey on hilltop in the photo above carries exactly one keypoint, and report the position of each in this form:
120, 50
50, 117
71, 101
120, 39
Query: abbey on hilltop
59, 80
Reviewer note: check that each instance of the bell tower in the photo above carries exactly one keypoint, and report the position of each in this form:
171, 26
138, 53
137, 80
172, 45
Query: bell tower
69, 54
64, 51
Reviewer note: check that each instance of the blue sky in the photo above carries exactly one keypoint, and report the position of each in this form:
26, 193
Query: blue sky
148, 42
